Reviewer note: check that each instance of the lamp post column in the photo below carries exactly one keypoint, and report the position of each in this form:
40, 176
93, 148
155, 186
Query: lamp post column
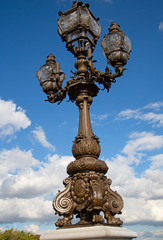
84, 101
86, 145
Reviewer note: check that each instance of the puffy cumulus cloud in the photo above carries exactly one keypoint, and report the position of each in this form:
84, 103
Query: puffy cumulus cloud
26, 210
30, 182
41, 138
15, 159
157, 161
142, 194
138, 145
144, 141
140, 211
155, 118
119, 171
13, 118
25, 195
154, 183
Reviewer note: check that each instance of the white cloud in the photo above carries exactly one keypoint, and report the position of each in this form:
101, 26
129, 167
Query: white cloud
143, 194
12, 119
15, 159
98, 120
28, 193
24, 210
160, 28
41, 138
156, 119
137, 147
28, 182
36, 229
157, 161
100, 116
141, 211
144, 141
130, 186
32, 228
155, 106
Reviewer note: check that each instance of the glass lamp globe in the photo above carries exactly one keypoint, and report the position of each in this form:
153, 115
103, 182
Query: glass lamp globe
116, 46
50, 75
78, 27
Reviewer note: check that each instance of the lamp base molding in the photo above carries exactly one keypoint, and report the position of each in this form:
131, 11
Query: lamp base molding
98, 232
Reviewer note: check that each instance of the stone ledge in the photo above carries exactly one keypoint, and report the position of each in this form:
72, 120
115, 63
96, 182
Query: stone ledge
90, 233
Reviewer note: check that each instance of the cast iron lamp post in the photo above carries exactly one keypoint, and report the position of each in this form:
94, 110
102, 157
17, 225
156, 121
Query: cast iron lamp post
87, 191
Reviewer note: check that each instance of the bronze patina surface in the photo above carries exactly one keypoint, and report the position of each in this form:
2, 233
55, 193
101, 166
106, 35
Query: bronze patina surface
87, 190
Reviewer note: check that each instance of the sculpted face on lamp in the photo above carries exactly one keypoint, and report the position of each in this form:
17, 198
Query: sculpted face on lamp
87, 189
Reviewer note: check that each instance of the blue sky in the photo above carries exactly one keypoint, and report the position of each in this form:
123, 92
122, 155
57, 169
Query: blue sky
36, 136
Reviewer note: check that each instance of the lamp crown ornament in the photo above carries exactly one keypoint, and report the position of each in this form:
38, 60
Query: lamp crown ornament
114, 27
87, 190
50, 59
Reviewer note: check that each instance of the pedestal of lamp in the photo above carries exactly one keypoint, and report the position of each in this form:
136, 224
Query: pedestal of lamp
98, 232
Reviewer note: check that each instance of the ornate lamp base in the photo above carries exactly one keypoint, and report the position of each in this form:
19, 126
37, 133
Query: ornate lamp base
98, 232
86, 195
87, 191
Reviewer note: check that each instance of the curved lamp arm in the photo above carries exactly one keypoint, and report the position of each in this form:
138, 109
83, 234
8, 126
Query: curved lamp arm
60, 95
105, 78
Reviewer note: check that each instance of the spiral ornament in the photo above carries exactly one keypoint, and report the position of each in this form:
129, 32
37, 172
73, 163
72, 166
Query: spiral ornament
62, 204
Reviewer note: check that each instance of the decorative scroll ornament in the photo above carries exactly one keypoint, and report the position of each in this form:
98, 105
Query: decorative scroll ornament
113, 204
86, 195
62, 203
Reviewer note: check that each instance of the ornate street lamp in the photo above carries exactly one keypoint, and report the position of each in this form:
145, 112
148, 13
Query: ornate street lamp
50, 76
116, 46
87, 191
